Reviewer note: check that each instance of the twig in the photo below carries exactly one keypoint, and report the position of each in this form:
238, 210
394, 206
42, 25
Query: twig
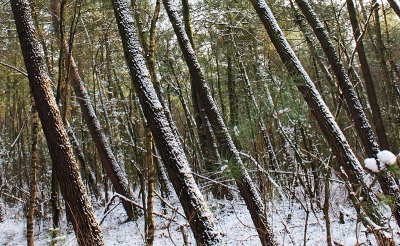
169, 205
139, 206
14, 68
215, 182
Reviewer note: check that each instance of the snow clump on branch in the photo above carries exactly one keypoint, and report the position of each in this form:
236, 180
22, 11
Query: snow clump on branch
371, 164
385, 157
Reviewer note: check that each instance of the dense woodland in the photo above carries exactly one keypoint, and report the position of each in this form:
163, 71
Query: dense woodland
107, 102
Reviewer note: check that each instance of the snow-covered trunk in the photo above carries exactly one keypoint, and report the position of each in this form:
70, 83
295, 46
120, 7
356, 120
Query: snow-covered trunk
108, 160
86, 228
324, 118
168, 146
377, 119
356, 112
363, 128
228, 149
107, 157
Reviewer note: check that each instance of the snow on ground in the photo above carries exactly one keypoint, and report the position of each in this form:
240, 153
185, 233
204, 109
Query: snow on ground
287, 218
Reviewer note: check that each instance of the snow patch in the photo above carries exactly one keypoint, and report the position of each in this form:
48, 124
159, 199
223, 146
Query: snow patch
386, 157
351, 241
371, 164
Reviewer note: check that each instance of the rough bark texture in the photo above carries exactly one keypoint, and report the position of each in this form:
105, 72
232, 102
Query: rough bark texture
369, 83
364, 130
168, 146
110, 164
108, 160
353, 170
228, 149
84, 222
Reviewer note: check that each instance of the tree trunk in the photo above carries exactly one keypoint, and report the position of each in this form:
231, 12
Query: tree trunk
395, 6
228, 149
32, 181
110, 164
168, 146
348, 161
364, 130
208, 145
369, 83
84, 222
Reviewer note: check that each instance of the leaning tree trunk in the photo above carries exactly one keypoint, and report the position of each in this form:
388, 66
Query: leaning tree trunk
387, 182
206, 137
369, 83
169, 147
228, 149
395, 6
108, 160
353, 170
84, 222
110, 164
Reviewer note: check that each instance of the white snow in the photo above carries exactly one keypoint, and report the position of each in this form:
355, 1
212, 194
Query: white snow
351, 241
231, 218
386, 157
371, 164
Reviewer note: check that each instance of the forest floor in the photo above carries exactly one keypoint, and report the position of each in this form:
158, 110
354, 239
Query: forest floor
288, 218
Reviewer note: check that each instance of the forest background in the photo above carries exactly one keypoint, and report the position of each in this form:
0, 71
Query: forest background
228, 103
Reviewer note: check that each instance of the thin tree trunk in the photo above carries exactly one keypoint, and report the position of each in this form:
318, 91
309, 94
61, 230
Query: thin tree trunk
150, 188
228, 149
86, 169
32, 181
84, 222
369, 83
208, 145
168, 145
110, 164
263, 129
353, 170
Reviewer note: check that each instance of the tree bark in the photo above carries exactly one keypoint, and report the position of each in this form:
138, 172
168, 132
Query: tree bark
32, 180
108, 160
168, 146
84, 222
228, 149
110, 164
353, 170
395, 6
369, 83
364, 130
